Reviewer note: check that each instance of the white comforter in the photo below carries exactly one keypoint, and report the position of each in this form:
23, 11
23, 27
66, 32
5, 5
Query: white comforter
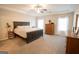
23, 31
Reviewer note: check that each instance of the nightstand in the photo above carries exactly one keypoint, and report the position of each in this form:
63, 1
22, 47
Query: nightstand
10, 34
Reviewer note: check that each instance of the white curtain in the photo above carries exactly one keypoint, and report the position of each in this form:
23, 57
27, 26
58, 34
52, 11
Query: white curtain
62, 25
40, 23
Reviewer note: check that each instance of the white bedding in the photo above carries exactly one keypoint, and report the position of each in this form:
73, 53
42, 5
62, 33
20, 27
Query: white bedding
22, 31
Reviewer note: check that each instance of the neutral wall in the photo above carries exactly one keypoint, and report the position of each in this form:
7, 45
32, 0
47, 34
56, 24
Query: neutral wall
54, 19
10, 16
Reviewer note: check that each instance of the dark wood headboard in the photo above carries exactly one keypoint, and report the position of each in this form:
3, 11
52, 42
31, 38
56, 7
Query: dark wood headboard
19, 23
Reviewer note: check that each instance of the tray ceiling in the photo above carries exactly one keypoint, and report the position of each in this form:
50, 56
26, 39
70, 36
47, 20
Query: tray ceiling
50, 8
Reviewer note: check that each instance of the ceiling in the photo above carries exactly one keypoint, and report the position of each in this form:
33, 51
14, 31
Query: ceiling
50, 8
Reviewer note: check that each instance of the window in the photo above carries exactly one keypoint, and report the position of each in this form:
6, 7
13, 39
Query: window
63, 24
40, 23
78, 22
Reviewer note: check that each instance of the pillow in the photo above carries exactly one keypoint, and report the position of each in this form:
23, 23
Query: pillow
23, 26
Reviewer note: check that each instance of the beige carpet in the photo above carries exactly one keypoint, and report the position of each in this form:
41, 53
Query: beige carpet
46, 45
37, 46
17, 45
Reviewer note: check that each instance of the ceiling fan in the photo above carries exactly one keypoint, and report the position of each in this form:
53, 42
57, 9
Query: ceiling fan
40, 8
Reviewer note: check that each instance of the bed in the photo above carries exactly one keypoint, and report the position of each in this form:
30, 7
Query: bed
29, 34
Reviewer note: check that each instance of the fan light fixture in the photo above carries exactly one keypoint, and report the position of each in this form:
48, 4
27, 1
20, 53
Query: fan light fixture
39, 8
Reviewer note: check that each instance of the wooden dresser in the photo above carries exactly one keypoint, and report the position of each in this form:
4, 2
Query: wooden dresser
49, 29
72, 46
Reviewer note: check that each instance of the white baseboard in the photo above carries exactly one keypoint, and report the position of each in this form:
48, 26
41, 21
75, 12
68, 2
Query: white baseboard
1, 39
